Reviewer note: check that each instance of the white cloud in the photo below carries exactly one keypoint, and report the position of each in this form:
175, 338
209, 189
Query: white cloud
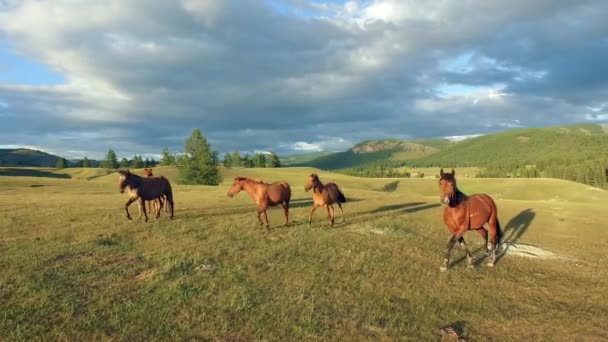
265, 75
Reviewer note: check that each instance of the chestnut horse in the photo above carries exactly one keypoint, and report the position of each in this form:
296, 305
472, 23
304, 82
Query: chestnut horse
464, 213
145, 189
264, 195
324, 195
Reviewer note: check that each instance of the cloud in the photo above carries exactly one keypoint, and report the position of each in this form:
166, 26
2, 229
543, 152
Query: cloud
297, 75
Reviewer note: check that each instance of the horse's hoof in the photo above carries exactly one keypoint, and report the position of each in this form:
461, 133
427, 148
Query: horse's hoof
129, 218
471, 266
490, 264
443, 268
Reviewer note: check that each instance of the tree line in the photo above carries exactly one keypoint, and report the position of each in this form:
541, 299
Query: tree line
197, 164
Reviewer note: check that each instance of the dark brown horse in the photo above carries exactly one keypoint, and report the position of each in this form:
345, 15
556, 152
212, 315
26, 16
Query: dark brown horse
156, 204
145, 189
324, 195
464, 213
264, 195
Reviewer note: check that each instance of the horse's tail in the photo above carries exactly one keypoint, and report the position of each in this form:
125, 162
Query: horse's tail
341, 197
168, 195
498, 233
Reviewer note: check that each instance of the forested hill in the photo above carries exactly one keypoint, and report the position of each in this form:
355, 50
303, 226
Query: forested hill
531, 146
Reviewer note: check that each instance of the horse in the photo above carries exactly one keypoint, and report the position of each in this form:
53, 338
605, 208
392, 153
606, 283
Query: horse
145, 189
463, 213
157, 204
324, 196
264, 195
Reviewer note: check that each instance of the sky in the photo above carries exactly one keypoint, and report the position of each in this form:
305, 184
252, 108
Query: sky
292, 76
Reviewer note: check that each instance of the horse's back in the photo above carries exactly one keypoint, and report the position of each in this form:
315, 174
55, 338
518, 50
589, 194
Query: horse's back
154, 187
279, 192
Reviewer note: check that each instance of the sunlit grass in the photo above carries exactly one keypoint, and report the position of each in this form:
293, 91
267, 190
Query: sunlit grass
74, 268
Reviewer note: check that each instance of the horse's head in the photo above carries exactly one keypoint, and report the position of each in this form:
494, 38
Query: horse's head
148, 173
311, 181
236, 187
447, 186
123, 180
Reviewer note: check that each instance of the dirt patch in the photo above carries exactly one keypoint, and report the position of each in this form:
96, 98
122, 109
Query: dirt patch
123, 259
145, 275
523, 139
72, 256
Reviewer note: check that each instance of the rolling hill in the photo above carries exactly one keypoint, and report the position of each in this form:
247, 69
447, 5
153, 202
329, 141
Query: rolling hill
372, 151
26, 157
529, 146
296, 159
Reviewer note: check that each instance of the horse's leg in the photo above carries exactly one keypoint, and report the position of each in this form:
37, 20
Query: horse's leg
158, 205
312, 211
286, 210
341, 211
266, 218
260, 211
446, 260
131, 200
463, 244
492, 231
330, 214
142, 204
484, 234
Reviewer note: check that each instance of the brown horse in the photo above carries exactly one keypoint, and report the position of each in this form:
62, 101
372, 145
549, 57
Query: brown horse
264, 195
464, 213
324, 196
156, 204
145, 189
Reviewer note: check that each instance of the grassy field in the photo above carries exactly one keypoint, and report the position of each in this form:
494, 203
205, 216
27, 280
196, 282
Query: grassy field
73, 267
461, 172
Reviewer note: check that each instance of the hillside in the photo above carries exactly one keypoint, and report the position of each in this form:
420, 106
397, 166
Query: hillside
373, 151
529, 146
26, 157
295, 159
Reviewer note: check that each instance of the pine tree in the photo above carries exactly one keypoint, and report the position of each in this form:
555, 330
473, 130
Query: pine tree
215, 157
197, 164
236, 159
167, 158
273, 160
137, 162
62, 163
85, 162
247, 161
124, 163
111, 161
259, 160
228, 160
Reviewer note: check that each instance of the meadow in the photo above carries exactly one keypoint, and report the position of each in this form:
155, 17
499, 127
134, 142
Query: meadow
74, 268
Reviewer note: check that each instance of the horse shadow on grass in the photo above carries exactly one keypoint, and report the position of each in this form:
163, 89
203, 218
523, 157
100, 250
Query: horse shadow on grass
393, 209
19, 172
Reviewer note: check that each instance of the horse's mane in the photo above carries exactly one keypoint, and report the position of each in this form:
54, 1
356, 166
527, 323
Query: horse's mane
248, 179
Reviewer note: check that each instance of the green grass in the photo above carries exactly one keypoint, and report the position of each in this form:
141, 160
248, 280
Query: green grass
73, 268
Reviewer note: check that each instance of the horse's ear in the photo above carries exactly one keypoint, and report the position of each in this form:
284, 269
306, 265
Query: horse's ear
453, 172
441, 172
